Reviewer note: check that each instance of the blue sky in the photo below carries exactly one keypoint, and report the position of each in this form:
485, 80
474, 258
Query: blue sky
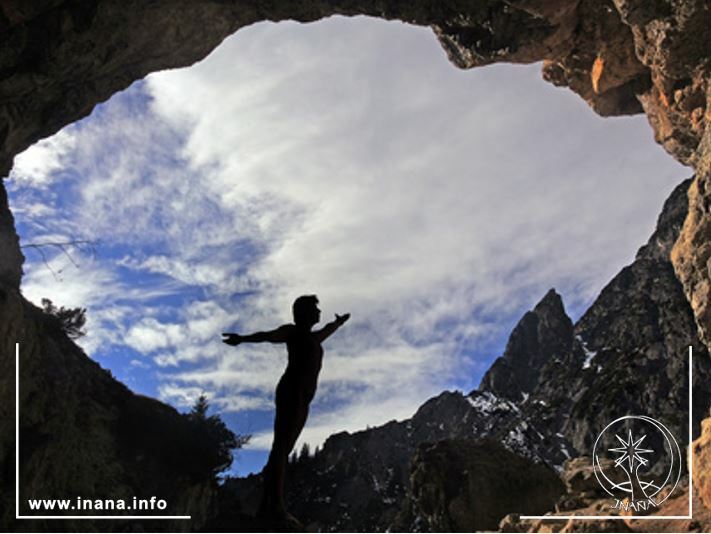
345, 158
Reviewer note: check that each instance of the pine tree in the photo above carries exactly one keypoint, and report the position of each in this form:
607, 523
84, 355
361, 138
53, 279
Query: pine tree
71, 320
213, 441
305, 452
200, 407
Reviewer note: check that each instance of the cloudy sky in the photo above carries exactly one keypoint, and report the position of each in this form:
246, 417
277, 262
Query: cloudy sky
345, 158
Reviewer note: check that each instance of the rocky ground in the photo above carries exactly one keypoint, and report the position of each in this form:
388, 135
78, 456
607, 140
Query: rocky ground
583, 498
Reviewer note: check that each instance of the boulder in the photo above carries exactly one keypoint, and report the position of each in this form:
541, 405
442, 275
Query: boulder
470, 485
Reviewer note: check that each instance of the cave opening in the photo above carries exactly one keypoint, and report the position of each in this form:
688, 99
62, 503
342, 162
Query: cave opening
436, 205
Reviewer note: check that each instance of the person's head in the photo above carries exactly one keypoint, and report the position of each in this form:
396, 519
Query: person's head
305, 310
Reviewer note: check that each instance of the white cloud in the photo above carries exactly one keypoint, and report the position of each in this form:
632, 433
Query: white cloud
36, 166
85, 287
429, 202
71, 287
85, 281
191, 336
474, 186
181, 396
188, 273
423, 208
149, 334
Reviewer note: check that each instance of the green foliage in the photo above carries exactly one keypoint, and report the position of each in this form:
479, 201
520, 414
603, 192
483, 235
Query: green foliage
71, 320
213, 440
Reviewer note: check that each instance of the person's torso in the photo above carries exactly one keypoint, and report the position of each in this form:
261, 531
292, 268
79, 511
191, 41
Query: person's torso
305, 357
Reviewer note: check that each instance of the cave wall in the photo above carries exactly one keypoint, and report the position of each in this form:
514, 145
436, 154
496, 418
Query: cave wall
84, 434
59, 58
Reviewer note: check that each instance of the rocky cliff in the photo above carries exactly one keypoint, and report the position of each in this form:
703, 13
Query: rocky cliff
556, 386
468, 485
630, 347
585, 497
61, 57
84, 434
542, 334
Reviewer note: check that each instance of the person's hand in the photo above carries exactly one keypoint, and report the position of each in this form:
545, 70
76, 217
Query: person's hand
340, 319
232, 339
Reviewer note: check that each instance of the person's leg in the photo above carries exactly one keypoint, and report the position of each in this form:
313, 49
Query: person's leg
285, 420
277, 460
290, 431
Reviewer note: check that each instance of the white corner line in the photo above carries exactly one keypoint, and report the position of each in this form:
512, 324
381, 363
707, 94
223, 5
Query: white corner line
690, 457
690, 452
17, 468
17, 431
601, 517
103, 517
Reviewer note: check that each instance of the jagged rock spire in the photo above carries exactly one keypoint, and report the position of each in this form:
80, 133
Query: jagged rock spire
544, 333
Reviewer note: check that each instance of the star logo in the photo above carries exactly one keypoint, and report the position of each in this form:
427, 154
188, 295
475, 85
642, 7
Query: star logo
631, 451
634, 458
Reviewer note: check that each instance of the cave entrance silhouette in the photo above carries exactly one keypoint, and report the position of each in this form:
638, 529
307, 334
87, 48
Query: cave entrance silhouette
432, 278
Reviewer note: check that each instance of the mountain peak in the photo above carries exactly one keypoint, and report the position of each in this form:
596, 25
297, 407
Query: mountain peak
551, 300
545, 332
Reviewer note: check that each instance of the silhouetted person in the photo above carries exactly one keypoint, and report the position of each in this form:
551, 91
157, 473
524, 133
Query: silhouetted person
294, 393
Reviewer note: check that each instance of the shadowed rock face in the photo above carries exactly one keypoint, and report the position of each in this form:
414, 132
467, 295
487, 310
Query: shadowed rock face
11, 258
59, 58
630, 349
541, 334
84, 434
468, 486
691, 254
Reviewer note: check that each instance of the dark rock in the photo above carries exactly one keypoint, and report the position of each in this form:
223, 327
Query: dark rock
542, 334
468, 486
669, 224
629, 354
61, 58
579, 478
11, 257
84, 434
581, 486
639, 329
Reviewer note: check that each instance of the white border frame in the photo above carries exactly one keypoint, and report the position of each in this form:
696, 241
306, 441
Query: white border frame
17, 468
690, 456
690, 460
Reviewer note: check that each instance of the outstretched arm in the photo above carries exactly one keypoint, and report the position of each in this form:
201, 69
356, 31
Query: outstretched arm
331, 327
279, 335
